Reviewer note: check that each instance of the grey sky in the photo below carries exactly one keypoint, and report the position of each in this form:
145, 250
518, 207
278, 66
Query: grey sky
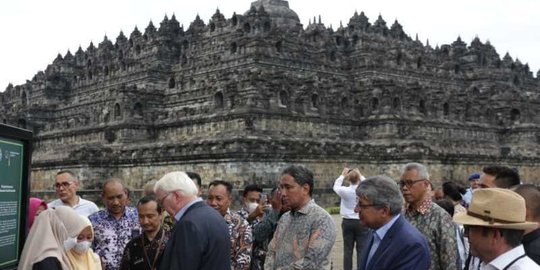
35, 31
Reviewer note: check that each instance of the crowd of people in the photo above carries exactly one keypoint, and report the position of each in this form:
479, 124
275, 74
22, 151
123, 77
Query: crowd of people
408, 224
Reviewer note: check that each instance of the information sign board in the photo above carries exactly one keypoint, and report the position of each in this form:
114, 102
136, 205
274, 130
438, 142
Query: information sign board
15, 153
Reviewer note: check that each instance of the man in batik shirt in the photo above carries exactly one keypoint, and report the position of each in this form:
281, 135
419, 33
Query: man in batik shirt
253, 208
305, 235
219, 198
144, 251
264, 231
114, 226
430, 219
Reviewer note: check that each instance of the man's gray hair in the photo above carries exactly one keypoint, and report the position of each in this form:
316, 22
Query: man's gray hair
420, 168
148, 188
70, 173
381, 191
177, 181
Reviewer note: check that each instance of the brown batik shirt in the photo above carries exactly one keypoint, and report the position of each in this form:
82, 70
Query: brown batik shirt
241, 241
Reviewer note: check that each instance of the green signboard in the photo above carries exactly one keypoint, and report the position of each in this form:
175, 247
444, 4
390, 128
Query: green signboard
15, 156
11, 194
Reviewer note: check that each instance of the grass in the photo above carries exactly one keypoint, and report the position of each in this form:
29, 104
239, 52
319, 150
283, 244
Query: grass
332, 210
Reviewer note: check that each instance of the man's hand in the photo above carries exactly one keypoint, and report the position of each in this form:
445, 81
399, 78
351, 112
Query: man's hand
258, 212
276, 202
345, 172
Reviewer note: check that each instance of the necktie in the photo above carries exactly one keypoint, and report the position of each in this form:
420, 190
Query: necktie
374, 246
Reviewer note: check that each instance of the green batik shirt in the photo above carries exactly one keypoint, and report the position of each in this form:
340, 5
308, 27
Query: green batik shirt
438, 228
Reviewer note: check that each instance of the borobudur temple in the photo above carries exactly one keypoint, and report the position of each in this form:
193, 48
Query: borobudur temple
240, 98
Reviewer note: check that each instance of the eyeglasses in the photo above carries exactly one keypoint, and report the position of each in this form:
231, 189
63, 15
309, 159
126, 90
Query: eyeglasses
408, 182
160, 201
63, 184
364, 206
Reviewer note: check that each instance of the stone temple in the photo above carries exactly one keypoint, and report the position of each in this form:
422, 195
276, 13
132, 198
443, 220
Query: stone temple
240, 98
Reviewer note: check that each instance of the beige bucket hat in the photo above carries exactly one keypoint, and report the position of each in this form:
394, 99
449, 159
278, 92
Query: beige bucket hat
496, 208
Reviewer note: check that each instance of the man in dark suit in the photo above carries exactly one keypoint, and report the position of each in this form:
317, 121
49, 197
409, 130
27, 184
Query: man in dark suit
392, 243
200, 237
531, 238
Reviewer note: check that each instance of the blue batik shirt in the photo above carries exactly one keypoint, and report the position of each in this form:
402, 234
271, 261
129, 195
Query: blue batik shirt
111, 235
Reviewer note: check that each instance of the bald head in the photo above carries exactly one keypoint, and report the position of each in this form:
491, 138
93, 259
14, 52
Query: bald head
113, 181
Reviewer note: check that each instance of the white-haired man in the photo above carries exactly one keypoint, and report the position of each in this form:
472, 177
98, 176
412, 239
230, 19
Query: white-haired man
200, 238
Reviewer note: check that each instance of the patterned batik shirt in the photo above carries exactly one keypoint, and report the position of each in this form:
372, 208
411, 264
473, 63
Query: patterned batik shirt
112, 235
437, 226
245, 214
262, 234
143, 254
258, 253
241, 241
168, 221
303, 240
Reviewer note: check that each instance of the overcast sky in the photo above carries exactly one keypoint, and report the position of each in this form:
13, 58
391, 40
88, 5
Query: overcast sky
35, 31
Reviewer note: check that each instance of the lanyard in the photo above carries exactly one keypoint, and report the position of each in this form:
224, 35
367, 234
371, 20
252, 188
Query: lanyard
511, 263
153, 266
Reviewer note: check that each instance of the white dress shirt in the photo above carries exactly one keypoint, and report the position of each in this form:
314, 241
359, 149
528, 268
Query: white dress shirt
467, 197
348, 198
83, 207
508, 257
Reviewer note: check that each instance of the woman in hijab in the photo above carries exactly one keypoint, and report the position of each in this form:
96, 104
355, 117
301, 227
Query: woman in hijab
60, 239
35, 208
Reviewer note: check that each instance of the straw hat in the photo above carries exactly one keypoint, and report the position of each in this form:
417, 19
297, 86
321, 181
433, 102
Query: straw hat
496, 208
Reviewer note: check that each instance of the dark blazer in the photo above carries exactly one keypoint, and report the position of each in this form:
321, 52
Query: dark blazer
531, 243
199, 240
403, 247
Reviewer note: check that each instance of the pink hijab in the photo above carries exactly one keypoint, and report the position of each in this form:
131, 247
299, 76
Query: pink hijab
33, 208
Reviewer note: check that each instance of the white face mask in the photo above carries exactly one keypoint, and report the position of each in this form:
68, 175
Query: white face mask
82, 247
252, 206
79, 247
